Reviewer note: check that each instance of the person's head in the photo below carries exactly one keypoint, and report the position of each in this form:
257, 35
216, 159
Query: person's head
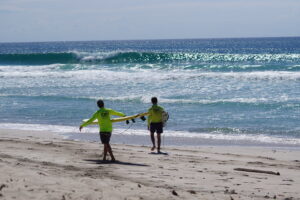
100, 103
154, 100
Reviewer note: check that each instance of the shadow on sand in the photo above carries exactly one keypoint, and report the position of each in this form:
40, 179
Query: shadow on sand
160, 153
116, 162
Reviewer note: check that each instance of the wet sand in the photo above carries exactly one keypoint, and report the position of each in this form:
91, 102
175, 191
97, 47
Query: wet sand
40, 165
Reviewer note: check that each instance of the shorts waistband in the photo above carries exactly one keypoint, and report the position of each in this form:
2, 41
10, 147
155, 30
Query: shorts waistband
108, 133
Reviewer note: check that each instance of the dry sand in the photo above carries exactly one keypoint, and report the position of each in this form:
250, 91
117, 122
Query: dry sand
35, 165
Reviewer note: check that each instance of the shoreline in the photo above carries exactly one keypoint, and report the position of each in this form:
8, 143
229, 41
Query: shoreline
169, 137
171, 141
40, 165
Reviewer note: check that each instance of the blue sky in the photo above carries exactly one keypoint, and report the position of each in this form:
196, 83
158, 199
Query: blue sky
71, 20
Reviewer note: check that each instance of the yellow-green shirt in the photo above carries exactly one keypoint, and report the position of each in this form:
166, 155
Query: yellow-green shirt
155, 114
103, 117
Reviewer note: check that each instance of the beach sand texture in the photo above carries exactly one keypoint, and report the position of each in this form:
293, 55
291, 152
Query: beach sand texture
38, 165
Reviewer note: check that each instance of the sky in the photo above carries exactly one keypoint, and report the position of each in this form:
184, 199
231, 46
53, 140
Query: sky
78, 20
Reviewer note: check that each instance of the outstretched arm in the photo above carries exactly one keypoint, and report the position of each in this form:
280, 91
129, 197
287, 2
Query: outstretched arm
88, 121
113, 112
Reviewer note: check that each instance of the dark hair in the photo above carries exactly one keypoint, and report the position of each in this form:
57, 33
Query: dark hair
100, 103
154, 100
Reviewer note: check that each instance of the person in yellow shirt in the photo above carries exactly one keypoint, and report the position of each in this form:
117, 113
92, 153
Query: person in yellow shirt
155, 123
105, 126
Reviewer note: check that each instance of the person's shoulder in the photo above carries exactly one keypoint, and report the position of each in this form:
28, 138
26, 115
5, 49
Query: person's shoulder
97, 112
109, 109
160, 107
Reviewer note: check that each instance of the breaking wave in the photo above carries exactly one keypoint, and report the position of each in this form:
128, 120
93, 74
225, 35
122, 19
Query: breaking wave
144, 57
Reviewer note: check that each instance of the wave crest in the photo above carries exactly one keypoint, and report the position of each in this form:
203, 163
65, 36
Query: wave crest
144, 57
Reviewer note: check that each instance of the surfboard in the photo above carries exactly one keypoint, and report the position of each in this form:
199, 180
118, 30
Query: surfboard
120, 119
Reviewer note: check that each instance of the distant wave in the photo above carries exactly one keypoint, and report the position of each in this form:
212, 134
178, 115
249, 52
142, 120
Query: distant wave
144, 57
294, 102
256, 101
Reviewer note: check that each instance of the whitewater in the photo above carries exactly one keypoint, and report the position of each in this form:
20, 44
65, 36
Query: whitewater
217, 91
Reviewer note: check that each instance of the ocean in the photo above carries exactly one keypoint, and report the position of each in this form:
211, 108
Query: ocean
216, 91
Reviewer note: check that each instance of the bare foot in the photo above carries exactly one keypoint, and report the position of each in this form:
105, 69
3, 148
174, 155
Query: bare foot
152, 149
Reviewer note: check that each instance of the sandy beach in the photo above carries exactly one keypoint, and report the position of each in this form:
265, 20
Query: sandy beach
39, 165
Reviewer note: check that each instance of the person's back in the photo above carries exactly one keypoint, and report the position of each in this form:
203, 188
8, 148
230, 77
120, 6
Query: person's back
103, 115
105, 126
155, 114
155, 123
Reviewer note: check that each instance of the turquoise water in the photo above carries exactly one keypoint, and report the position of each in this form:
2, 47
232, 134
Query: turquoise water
231, 90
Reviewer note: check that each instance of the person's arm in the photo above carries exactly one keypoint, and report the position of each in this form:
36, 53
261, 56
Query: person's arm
149, 117
113, 112
88, 121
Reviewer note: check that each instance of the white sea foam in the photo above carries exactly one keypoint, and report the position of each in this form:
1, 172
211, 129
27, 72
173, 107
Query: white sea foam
39, 127
93, 56
146, 99
136, 74
259, 75
251, 138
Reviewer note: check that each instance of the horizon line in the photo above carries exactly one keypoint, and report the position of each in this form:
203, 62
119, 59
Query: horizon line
204, 38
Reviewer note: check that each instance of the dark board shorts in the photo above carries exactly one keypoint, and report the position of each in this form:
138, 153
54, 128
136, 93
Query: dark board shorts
105, 137
156, 127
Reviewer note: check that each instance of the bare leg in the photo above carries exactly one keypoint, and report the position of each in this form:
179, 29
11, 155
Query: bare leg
158, 142
104, 151
153, 141
110, 153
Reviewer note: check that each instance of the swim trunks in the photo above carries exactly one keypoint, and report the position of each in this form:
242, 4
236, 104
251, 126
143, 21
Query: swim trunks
105, 137
156, 127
